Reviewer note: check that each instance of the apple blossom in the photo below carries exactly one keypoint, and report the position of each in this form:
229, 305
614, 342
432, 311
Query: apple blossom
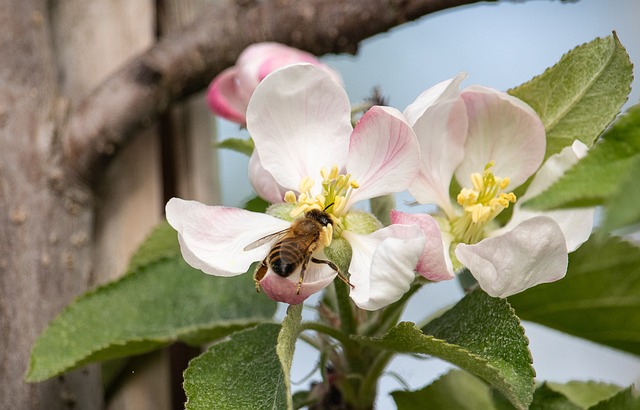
229, 92
308, 156
489, 143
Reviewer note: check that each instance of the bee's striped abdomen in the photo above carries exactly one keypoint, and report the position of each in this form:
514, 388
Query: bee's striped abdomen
286, 256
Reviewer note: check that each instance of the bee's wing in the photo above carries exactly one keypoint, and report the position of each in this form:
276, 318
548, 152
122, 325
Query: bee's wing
271, 237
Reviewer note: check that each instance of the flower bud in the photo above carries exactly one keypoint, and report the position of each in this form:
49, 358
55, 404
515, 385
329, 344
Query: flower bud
229, 92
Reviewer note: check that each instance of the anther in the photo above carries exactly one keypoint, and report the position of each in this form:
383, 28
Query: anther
306, 184
290, 197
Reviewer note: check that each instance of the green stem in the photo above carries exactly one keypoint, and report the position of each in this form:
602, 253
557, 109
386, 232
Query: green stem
391, 314
347, 318
310, 341
369, 384
381, 207
329, 331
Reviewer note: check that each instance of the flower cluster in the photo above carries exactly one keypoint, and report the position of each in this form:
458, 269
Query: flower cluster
308, 157
489, 143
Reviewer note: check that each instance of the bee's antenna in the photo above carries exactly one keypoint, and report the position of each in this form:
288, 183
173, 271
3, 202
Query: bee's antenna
328, 206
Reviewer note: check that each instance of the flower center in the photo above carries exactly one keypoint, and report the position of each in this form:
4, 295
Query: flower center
481, 204
336, 190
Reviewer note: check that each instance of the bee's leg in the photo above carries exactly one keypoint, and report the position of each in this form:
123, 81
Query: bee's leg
335, 268
303, 269
259, 273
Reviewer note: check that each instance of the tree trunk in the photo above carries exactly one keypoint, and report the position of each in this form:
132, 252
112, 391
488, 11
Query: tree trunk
47, 223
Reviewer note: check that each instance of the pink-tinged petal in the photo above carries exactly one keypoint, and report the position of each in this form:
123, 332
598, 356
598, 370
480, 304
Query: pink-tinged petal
532, 253
263, 183
576, 223
383, 154
503, 129
260, 59
442, 131
443, 91
223, 97
383, 263
293, 57
433, 264
230, 91
316, 278
300, 121
213, 238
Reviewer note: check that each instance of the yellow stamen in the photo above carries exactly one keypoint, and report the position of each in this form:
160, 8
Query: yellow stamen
334, 172
306, 184
481, 204
333, 198
290, 197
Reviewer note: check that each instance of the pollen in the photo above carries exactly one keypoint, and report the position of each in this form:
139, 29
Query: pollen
326, 236
290, 197
333, 198
481, 204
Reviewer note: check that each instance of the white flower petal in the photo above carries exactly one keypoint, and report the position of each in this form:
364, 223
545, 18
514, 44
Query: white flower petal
213, 238
300, 121
383, 154
443, 91
534, 252
316, 278
263, 183
503, 129
442, 131
576, 223
382, 265
554, 168
433, 263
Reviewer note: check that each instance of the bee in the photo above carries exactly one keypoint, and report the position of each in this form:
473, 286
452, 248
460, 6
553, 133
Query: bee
294, 247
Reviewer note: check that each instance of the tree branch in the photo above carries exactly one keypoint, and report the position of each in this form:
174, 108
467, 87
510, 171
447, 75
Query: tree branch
185, 61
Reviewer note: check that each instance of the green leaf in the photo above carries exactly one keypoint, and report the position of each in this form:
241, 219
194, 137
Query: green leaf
579, 96
607, 173
585, 393
256, 204
162, 301
575, 395
599, 299
287, 344
480, 334
622, 207
241, 373
549, 399
456, 390
243, 146
627, 399
161, 243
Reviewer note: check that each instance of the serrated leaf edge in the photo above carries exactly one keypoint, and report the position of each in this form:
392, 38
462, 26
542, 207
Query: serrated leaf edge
461, 349
247, 323
117, 282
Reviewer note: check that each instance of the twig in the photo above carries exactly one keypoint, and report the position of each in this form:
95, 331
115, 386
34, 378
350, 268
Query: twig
185, 61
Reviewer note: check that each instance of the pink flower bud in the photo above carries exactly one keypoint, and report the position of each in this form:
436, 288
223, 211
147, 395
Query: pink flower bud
229, 92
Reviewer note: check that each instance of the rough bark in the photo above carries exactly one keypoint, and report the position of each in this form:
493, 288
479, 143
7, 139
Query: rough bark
186, 60
45, 224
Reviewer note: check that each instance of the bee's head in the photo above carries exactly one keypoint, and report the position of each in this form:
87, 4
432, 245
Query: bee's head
320, 216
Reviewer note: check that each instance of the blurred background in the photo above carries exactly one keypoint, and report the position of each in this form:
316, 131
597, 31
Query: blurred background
500, 45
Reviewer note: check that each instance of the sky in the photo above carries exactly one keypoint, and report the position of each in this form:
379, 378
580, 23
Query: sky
500, 45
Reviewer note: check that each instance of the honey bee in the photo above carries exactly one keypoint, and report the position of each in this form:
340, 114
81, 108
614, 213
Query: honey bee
294, 247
